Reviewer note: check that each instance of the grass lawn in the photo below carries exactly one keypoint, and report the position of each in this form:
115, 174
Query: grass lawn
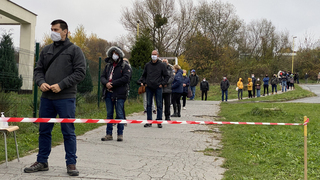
270, 152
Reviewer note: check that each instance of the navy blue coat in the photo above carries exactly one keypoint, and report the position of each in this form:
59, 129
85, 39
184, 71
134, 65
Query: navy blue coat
177, 84
186, 81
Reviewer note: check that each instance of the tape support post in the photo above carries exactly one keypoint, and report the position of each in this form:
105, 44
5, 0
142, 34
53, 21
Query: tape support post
116, 121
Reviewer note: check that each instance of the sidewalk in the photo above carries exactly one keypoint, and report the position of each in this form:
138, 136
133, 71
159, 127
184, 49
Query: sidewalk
146, 153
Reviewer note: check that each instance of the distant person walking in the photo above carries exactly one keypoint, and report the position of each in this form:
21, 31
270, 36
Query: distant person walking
258, 86
240, 88
274, 83
266, 85
177, 89
194, 80
204, 88
186, 84
306, 78
224, 85
250, 87
166, 94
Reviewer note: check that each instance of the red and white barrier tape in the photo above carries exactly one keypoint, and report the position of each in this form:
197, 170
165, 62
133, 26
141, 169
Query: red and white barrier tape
63, 120
306, 123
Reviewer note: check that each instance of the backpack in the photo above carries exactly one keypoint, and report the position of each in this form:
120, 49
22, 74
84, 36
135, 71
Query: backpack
274, 81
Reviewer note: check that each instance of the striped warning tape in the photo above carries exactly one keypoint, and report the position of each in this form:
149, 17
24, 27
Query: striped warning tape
64, 120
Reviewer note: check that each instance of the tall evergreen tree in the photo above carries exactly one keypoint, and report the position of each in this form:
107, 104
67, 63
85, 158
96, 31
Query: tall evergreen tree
86, 85
9, 75
141, 51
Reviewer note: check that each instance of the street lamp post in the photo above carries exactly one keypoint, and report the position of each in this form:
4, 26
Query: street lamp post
293, 52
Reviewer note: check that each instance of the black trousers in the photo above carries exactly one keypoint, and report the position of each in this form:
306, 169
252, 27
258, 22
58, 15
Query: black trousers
184, 98
204, 93
265, 87
176, 99
166, 103
253, 91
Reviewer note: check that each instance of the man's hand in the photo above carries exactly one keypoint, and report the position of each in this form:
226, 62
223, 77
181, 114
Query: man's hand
109, 85
184, 85
160, 86
55, 88
44, 87
141, 84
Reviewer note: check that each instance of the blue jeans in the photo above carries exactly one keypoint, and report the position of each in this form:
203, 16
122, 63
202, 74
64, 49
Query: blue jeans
225, 92
274, 88
193, 90
284, 86
118, 105
258, 92
50, 109
158, 95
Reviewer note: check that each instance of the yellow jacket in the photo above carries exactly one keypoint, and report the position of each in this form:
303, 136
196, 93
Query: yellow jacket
249, 84
240, 83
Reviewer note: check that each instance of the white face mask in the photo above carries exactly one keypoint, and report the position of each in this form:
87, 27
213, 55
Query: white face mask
154, 57
115, 57
55, 36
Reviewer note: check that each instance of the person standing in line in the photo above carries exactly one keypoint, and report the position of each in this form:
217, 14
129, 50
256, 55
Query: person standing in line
240, 88
297, 76
186, 83
224, 85
194, 79
274, 82
284, 82
306, 78
266, 85
258, 86
250, 87
115, 79
253, 85
166, 94
154, 77
58, 79
204, 88
177, 89
318, 78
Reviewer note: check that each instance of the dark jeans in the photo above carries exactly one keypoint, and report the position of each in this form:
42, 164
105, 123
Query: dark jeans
249, 94
166, 102
50, 109
158, 96
265, 86
274, 88
193, 90
111, 105
240, 92
204, 93
184, 98
224, 92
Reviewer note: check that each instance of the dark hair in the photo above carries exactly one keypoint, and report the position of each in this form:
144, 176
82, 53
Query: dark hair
63, 24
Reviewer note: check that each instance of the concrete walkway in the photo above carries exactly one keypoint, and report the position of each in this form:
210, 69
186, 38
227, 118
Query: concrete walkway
315, 88
146, 153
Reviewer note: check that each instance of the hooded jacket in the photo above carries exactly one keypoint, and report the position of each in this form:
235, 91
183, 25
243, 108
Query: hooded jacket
240, 83
177, 84
155, 74
224, 85
250, 84
120, 75
168, 88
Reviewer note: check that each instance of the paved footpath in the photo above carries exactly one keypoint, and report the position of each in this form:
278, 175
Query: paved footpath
315, 88
146, 153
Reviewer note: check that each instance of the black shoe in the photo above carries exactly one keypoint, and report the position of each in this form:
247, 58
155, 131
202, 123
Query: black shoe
159, 125
35, 167
174, 115
147, 125
72, 170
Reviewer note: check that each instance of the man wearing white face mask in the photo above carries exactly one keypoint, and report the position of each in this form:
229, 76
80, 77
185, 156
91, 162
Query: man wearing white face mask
154, 77
61, 67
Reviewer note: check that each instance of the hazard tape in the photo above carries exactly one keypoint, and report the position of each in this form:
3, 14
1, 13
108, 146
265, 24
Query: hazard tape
114, 121
305, 123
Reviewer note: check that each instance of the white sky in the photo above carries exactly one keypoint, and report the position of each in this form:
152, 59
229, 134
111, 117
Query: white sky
103, 16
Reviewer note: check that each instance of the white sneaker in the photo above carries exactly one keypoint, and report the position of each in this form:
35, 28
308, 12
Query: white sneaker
184, 108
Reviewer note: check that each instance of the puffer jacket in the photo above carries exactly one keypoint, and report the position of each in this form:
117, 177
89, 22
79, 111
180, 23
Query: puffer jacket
167, 89
250, 84
240, 83
177, 84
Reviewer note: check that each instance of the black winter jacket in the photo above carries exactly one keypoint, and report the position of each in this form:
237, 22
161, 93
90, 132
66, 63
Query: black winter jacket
194, 79
155, 74
168, 88
120, 79
224, 85
204, 86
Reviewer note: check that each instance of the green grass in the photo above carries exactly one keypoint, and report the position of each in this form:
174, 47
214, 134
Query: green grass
27, 135
269, 152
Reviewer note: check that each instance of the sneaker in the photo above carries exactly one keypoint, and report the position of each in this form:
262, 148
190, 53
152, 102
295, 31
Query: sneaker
107, 138
159, 125
154, 112
184, 108
147, 125
120, 138
72, 170
37, 166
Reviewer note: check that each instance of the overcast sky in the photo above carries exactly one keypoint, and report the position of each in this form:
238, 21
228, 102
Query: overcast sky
103, 16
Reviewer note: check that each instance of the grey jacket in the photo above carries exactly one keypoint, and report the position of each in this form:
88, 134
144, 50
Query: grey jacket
67, 70
168, 88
